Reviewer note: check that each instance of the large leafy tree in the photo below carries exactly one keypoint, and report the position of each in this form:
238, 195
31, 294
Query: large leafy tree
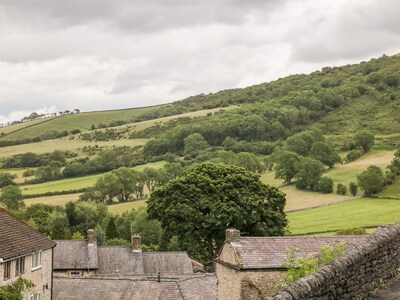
364, 139
199, 206
309, 173
285, 167
325, 153
6, 179
11, 197
372, 180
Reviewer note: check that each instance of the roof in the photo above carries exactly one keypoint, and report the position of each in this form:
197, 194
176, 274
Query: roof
270, 252
72, 254
196, 287
17, 238
108, 260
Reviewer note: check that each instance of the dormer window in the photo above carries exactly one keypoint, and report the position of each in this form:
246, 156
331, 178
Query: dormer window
37, 260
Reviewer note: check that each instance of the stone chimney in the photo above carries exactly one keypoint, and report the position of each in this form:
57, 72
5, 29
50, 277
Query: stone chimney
91, 238
136, 243
232, 234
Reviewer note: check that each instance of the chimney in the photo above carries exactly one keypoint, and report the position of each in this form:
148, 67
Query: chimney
232, 234
136, 243
90, 236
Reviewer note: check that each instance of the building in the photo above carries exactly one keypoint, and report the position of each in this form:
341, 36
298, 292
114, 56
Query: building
26, 253
250, 267
85, 258
85, 270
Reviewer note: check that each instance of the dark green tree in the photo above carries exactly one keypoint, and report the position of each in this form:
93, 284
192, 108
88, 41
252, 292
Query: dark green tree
325, 153
15, 291
341, 189
285, 165
198, 207
353, 188
325, 185
6, 179
11, 197
194, 144
364, 139
111, 230
372, 180
309, 173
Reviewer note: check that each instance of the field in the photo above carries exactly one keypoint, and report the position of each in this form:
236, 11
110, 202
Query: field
392, 190
81, 121
53, 200
72, 183
16, 127
120, 208
355, 213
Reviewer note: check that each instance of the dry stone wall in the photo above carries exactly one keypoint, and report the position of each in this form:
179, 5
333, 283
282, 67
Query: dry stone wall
354, 275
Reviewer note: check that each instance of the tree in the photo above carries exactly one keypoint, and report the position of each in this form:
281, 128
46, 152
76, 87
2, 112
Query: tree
15, 291
57, 226
309, 172
353, 188
11, 197
341, 189
150, 229
194, 144
372, 180
364, 139
6, 179
111, 230
285, 167
198, 207
30, 159
325, 153
325, 185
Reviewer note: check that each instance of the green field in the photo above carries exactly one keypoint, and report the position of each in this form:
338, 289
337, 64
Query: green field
391, 190
16, 127
355, 213
120, 208
73, 183
53, 200
64, 144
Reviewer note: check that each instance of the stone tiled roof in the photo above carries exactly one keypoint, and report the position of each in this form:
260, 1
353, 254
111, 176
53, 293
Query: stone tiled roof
78, 255
270, 252
18, 238
109, 260
195, 287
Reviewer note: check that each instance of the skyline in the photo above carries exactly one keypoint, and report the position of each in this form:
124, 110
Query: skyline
96, 55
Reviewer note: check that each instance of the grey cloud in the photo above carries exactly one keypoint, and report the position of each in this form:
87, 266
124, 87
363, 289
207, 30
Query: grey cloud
359, 30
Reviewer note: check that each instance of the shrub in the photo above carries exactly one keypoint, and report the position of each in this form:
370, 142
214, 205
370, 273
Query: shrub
353, 188
325, 185
353, 155
351, 231
341, 189
389, 177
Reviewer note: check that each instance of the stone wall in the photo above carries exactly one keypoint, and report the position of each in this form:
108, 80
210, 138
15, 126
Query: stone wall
354, 275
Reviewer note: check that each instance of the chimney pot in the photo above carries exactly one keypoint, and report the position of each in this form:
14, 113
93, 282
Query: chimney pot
232, 234
136, 243
91, 236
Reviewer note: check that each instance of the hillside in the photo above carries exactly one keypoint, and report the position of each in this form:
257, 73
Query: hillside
247, 127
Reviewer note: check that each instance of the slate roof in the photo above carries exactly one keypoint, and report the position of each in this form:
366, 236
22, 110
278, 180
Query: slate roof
270, 252
79, 255
18, 238
109, 260
194, 287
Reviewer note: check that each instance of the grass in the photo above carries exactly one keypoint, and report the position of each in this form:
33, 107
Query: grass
348, 172
81, 121
64, 144
355, 213
73, 183
16, 127
392, 190
120, 208
53, 200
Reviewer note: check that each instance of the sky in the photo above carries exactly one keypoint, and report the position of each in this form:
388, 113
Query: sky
106, 54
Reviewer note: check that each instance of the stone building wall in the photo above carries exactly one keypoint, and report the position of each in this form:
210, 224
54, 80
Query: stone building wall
41, 277
354, 275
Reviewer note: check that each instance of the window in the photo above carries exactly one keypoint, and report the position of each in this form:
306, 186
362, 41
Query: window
7, 270
20, 266
37, 260
36, 296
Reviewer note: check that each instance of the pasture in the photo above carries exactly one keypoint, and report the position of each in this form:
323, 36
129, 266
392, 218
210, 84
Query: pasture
355, 213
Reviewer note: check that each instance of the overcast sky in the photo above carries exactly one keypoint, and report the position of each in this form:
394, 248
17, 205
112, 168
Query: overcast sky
109, 54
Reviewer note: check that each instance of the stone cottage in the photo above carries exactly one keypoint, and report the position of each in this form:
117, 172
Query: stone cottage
250, 267
26, 253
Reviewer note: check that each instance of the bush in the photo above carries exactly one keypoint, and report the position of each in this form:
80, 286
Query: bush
389, 177
353, 155
325, 185
341, 189
353, 188
351, 231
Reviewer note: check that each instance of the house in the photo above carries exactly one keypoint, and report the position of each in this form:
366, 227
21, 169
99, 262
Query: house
250, 267
26, 253
85, 270
172, 287
85, 258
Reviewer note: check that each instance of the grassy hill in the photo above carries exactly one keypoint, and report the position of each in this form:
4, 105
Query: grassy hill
340, 101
